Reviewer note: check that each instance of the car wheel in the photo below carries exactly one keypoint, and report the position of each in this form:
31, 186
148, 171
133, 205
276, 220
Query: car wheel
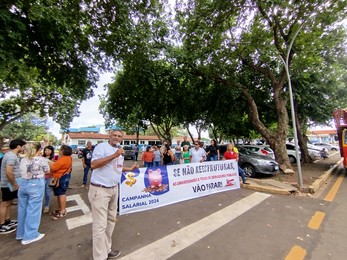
249, 170
292, 159
333, 149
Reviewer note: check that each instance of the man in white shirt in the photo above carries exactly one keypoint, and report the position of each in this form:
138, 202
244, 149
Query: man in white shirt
107, 164
197, 154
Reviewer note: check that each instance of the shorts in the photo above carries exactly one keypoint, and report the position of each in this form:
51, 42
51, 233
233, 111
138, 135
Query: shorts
8, 195
63, 184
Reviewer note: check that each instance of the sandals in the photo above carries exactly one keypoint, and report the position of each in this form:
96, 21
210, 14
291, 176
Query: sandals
54, 212
59, 215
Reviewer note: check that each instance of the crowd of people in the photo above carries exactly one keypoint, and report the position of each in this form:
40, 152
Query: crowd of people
184, 152
26, 173
30, 172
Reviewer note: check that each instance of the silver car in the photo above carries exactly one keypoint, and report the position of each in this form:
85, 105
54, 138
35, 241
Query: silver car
327, 146
252, 163
260, 149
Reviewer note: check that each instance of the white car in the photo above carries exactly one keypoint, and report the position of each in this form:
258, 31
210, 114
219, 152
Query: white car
313, 152
327, 146
291, 152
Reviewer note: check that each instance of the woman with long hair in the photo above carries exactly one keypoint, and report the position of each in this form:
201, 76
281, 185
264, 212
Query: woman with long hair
213, 151
48, 153
30, 194
62, 169
168, 156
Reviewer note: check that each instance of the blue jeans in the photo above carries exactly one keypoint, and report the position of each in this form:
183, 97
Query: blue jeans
47, 192
148, 164
214, 157
85, 176
136, 154
30, 196
177, 158
242, 174
157, 163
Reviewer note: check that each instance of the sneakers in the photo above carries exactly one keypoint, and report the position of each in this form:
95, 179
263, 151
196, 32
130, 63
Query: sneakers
26, 242
45, 209
113, 254
11, 223
4, 229
83, 185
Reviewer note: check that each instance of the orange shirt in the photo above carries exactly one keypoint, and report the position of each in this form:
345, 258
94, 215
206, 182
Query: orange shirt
148, 157
61, 166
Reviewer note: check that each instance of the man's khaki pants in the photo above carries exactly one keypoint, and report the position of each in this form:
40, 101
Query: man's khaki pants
104, 213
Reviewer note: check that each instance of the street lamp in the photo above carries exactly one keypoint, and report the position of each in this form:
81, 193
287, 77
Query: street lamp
286, 66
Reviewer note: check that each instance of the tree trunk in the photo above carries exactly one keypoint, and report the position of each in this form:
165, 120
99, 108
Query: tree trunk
277, 140
306, 158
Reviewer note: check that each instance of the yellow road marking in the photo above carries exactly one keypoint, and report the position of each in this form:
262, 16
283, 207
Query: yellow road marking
316, 220
296, 253
332, 193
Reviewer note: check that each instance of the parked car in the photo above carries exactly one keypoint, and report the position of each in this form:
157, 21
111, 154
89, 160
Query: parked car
292, 153
128, 152
312, 151
252, 163
260, 149
79, 151
314, 154
327, 146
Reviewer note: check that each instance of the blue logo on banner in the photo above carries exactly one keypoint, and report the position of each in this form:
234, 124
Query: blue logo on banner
156, 180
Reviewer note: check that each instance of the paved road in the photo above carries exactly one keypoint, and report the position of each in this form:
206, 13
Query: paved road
239, 224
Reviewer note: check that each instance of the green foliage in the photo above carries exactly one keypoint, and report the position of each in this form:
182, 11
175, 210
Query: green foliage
241, 44
218, 65
30, 127
46, 65
50, 51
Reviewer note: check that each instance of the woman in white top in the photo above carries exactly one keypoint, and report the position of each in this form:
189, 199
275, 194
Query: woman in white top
30, 194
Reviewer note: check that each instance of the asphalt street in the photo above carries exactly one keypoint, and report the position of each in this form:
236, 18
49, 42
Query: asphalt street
238, 224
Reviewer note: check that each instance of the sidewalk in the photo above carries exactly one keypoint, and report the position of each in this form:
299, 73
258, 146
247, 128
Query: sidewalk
314, 176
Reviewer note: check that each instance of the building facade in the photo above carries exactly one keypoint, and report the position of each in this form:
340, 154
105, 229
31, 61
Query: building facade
78, 138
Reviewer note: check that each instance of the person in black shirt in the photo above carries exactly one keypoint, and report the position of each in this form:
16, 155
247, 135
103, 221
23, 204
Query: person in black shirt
86, 160
213, 151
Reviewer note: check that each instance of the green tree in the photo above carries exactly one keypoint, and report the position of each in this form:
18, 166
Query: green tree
30, 127
239, 44
50, 52
46, 60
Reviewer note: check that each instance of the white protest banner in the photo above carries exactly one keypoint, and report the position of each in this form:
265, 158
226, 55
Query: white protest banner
153, 187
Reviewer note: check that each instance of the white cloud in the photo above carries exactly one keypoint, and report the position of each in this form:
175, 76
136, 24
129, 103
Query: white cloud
89, 109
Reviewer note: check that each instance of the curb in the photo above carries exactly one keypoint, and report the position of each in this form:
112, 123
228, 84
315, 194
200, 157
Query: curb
268, 189
322, 179
310, 189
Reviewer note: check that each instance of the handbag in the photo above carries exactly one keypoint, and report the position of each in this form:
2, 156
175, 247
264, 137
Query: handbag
54, 182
